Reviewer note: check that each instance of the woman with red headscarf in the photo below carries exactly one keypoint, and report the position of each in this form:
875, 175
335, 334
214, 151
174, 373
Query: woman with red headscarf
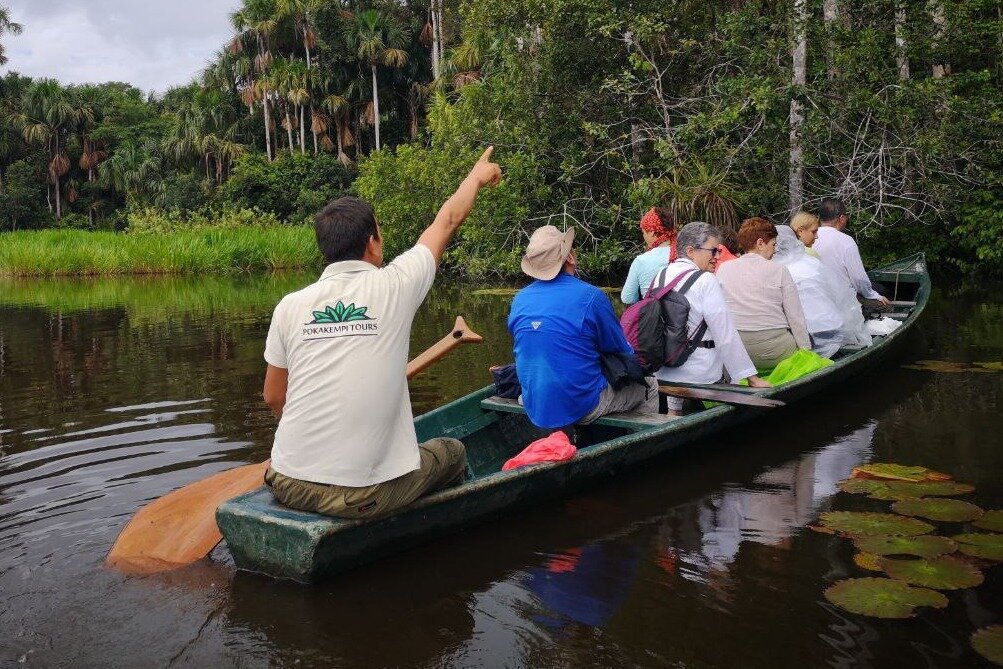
659, 231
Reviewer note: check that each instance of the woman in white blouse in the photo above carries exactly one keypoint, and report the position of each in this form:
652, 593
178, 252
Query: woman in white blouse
762, 298
698, 245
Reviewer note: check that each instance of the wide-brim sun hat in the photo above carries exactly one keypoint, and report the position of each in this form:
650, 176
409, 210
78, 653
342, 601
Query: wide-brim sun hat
547, 251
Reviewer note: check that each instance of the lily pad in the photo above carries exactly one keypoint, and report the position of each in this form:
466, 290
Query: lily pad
873, 524
863, 486
988, 642
893, 472
992, 521
948, 366
926, 546
991, 366
981, 545
947, 510
882, 597
915, 489
943, 573
868, 561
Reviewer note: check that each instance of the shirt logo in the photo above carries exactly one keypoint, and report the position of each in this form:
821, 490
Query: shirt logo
536, 324
339, 313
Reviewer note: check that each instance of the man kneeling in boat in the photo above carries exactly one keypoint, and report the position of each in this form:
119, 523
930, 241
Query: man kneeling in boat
336, 351
561, 326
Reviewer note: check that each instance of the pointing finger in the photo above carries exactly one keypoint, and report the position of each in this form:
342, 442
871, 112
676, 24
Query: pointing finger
486, 156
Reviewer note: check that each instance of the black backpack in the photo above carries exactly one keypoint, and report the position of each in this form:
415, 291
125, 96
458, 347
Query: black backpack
657, 325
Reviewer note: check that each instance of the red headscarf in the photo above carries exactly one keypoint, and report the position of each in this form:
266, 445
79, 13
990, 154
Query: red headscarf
652, 222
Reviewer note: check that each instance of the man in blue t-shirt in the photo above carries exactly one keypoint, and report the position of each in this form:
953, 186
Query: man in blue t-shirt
561, 325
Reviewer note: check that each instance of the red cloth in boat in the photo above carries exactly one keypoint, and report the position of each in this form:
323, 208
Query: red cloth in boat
552, 448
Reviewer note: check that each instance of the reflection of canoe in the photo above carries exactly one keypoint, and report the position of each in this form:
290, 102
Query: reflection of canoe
266, 537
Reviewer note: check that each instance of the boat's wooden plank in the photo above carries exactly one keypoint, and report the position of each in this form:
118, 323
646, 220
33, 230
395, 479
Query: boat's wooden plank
902, 303
625, 419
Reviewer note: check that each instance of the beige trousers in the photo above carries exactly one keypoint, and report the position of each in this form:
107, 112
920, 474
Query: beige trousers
768, 347
634, 396
443, 463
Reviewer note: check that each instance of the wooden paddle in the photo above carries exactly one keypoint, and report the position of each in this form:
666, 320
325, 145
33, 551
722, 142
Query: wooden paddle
180, 527
723, 396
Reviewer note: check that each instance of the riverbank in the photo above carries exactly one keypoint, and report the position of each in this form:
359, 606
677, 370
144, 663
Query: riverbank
51, 253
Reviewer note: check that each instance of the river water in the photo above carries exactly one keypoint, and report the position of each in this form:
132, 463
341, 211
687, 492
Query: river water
114, 392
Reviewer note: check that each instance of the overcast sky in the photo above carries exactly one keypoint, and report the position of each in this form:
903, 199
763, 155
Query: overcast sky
152, 44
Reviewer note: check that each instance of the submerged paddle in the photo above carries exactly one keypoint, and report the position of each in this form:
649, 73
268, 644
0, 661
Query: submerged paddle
180, 527
723, 396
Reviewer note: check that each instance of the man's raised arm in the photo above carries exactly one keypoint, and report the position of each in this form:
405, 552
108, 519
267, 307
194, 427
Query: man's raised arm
455, 210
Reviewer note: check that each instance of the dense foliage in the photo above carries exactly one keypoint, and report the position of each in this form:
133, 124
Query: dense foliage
597, 111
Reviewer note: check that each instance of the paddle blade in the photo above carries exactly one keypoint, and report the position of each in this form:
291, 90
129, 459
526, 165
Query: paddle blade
723, 396
180, 527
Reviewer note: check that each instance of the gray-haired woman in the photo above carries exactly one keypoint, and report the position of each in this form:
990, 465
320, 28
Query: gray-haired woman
721, 349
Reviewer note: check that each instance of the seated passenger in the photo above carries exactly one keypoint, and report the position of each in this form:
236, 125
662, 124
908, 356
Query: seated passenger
721, 348
762, 298
805, 226
728, 246
560, 326
831, 309
659, 232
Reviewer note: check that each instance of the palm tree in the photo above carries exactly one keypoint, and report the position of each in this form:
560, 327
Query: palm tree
47, 117
7, 26
378, 39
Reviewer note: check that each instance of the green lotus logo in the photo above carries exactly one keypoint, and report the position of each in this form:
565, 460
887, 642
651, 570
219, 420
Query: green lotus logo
339, 313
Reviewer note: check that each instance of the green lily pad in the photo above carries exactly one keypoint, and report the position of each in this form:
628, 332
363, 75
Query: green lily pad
943, 573
991, 366
882, 597
863, 486
868, 561
893, 472
981, 545
926, 546
992, 521
949, 367
873, 524
988, 642
915, 489
947, 510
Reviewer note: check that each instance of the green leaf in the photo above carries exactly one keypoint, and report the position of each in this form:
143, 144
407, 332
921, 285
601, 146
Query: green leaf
942, 573
988, 642
914, 489
890, 471
947, 510
981, 545
926, 546
992, 521
882, 597
873, 524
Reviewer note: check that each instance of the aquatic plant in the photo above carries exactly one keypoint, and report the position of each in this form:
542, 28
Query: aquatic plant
942, 573
894, 490
862, 486
882, 597
947, 510
868, 561
981, 545
926, 546
991, 520
988, 642
855, 523
894, 472
950, 367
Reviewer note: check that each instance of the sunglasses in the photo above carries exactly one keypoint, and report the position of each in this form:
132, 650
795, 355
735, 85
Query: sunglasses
714, 252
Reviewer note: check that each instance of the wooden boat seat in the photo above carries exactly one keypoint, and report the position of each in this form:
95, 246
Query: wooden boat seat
631, 420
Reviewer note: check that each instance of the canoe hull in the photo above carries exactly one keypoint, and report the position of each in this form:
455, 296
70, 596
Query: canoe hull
265, 537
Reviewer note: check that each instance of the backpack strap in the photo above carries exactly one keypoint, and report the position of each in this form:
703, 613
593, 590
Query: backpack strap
662, 292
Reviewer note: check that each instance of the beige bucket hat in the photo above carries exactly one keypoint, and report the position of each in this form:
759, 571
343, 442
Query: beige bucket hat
547, 250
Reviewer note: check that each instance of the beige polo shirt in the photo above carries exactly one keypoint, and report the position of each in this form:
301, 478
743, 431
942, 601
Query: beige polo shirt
344, 339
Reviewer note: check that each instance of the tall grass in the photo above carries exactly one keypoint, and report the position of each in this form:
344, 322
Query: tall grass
192, 251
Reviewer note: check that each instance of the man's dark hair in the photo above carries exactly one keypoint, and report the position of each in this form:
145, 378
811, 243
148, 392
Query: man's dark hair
830, 209
343, 229
729, 238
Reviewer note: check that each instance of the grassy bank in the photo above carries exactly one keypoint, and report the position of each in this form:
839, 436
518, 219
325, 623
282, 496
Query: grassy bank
194, 251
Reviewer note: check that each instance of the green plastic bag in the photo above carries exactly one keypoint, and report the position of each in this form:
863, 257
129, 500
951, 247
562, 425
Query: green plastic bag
797, 364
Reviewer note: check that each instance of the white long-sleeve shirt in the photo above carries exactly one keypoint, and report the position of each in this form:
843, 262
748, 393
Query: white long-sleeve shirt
706, 365
840, 254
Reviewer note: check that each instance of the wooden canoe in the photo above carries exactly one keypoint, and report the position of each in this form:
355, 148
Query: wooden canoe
268, 538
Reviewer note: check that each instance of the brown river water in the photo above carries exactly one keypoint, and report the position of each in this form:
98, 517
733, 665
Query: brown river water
114, 392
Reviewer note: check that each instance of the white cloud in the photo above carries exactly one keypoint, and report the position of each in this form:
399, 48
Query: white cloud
151, 44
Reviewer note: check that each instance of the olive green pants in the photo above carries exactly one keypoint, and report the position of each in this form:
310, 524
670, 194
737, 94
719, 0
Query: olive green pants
768, 347
443, 463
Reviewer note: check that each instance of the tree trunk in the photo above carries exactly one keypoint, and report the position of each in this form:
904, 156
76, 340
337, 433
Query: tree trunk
302, 129
289, 131
940, 70
435, 41
901, 57
268, 126
313, 132
798, 54
830, 16
376, 109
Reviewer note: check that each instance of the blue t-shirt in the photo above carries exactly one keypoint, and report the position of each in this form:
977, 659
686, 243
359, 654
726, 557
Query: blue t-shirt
560, 327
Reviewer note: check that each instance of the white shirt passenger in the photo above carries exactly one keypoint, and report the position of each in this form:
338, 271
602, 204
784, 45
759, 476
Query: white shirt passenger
344, 339
706, 365
840, 254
